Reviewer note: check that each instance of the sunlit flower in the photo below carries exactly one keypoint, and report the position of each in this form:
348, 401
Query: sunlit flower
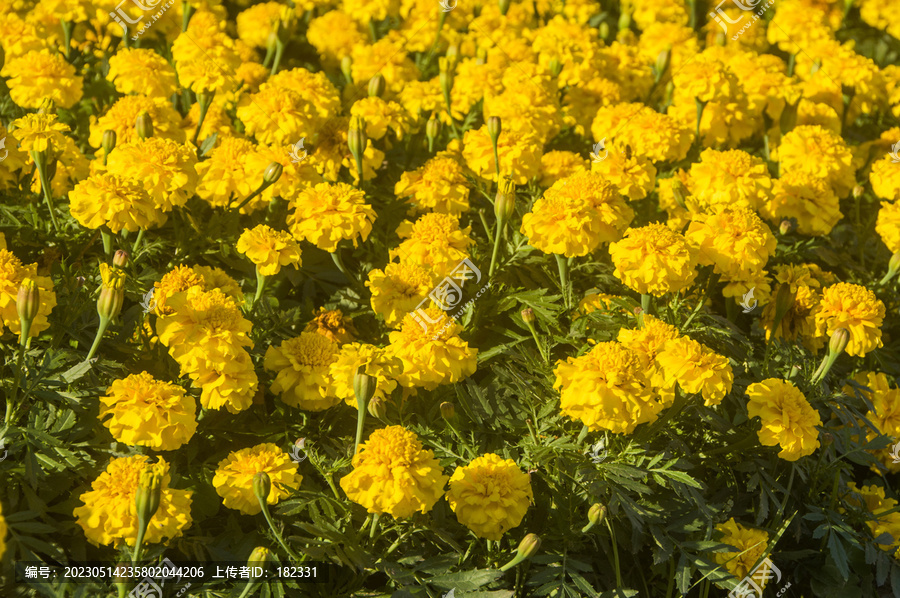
654, 260
855, 308
142, 71
434, 240
302, 366
788, 420
751, 544
696, 369
438, 185
379, 364
234, 477
399, 289
114, 201
734, 240
269, 249
329, 213
37, 75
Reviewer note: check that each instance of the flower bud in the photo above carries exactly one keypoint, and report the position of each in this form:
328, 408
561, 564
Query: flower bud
827, 438
481, 56
785, 227
448, 411
364, 385
839, 339
109, 141
259, 557
624, 20
120, 258
262, 485
112, 292
680, 192
784, 301
603, 30
272, 173
377, 85
377, 407
446, 75
504, 7
147, 496
529, 546
555, 66
662, 62
48, 106
788, 119
452, 54
144, 125
505, 201
346, 64
721, 40
597, 513
28, 301
528, 316
494, 127
356, 137
432, 129
858, 191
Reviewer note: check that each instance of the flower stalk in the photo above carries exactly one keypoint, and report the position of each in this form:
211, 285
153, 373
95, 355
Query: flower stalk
262, 485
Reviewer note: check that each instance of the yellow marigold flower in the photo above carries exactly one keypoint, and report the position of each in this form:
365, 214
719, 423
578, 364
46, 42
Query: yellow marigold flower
431, 350
269, 249
788, 420
18, 36
580, 104
820, 153
115, 201
438, 185
527, 109
276, 115
433, 240
205, 326
205, 39
217, 278
329, 213
696, 369
206, 75
252, 75
606, 389
595, 301
576, 214
166, 169
224, 178
885, 179
380, 115
855, 308
386, 56
888, 225
659, 36
648, 341
734, 240
148, 412
142, 71
399, 289
558, 165
39, 132
750, 543
807, 199
109, 514
423, 98
216, 121
490, 495
301, 365
37, 75
256, 23
873, 499
519, 155
393, 473
378, 362
885, 414
799, 320
654, 260
371, 11
471, 82
179, 279
122, 115
574, 44
633, 175
334, 325
234, 477
334, 35
12, 274
656, 137
231, 383
731, 178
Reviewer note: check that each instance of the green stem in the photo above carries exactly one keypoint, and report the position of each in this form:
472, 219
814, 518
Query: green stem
204, 108
887, 278
186, 12
137, 242
104, 324
136, 555
563, 265
260, 287
730, 309
496, 162
261, 188
645, 303
265, 510
372, 31
45, 187
107, 241
279, 51
537, 341
372, 529
497, 235
360, 422
359, 168
247, 589
671, 587
615, 548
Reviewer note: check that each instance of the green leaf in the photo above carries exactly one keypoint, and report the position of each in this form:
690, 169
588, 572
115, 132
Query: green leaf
464, 581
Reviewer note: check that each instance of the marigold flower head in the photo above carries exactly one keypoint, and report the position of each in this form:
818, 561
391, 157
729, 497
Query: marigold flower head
115, 201
329, 213
634, 176
651, 135
885, 414
558, 165
142, 71
230, 383
234, 477
109, 514
731, 178
269, 249
122, 115
334, 35
654, 260
12, 274
434, 240
820, 153
788, 420
256, 22
386, 56
166, 169
148, 412
224, 178
439, 185
750, 543
885, 179
807, 199
873, 499
38, 75
888, 225
179, 279
379, 364
734, 240
217, 278
431, 351
490, 495
855, 308
696, 369
39, 132
606, 389
393, 473
399, 289
333, 325
649, 339
519, 155
302, 367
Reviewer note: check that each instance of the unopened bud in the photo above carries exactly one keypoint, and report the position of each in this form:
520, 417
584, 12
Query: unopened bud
528, 316
839, 339
680, 192
147, 496
262, 485
858, 191
529, 546
555, 66
432, 129
624, 20
356, 136
109, 141
452, 53
603, 30
144, 125
494, 127
788, 119
662, 62
448, 411
120, 258
346, 67
272, 173
28, 301
377, 407
597, 513
827, 438
259, 557
504, 7
377, 85
112, 292
505, 201
785, 227
481, 56
48, 106
445, 76
364, 386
